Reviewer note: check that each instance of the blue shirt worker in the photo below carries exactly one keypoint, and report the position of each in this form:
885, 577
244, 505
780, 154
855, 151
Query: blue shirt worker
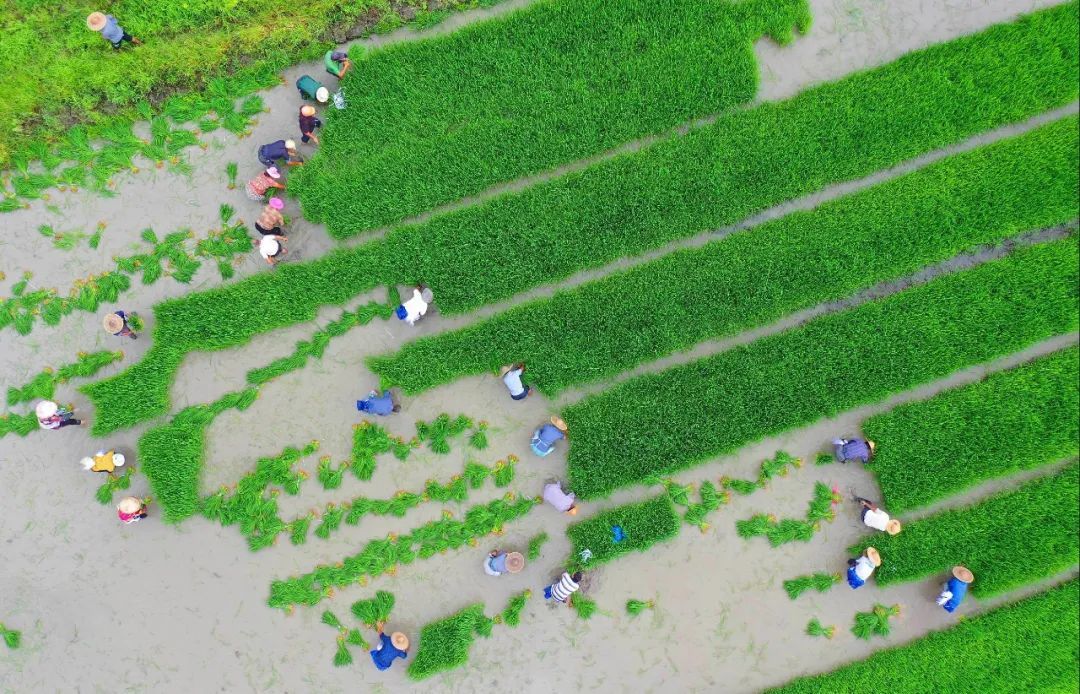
110, 29
498, 563
391, 647
544, 438
511, 376
860, 569
953, 592
270, 153
853, 449
381, 405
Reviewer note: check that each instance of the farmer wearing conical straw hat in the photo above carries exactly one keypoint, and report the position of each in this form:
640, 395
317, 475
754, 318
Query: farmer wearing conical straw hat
544, 438
860, 568
391, 647
117, 324
110, 30
131, 510
873, 516
52, 416
308, 123
498, 563
953, 592
854, 449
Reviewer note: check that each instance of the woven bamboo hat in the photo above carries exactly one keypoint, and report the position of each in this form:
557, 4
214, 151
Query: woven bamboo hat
873, 446
893, 527
400, 641
129, 504
559, 423
505, 370
95, 21
112, 323
45, 409
962, 573
307, 110
515, 562
873, 556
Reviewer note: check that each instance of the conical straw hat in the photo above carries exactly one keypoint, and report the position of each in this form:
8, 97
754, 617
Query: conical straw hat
559, 423
400, 641
45, 409
873, 556
113, 323
129, 504
962, 573
893, 527
95, 21
515, 562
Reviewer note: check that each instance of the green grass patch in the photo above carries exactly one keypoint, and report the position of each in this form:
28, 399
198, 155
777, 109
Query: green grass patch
575, 77
1027, 646
758, 276
1013, 420
1010, 539
444, 645
643, 525
644, 427
748, 161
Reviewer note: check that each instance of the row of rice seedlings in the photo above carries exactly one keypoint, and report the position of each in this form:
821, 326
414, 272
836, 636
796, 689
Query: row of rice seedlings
43, 385
104, 494
780, 532
820, 582
875, 622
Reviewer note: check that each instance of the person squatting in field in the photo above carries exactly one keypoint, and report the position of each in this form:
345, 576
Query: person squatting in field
861, 568
271, 221
544, 438
268, 178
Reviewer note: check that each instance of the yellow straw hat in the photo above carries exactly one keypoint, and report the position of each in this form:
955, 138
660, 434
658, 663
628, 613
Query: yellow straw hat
113, 323
559, 424
95, 21
873, 446
129, 504
893, 527
400, 641
963, 574
505, 370
873, 556
515, 562
307, 110
45, 409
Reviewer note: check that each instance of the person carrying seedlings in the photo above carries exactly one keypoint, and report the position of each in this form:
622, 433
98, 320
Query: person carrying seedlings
110, 30
953, 592
853, 449
52, 416
271, 220
131, 510
511, 377
268, 178
544, 438
862, 567
337, 63
311, 89
498, 563
308, 123
103, 462
413, 309
116, 324
562, 501
271, 248
391, 647
874, 517
270, 153
381, 405
561, 590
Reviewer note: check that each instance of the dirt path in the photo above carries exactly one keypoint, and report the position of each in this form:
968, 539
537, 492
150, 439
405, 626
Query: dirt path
181, 610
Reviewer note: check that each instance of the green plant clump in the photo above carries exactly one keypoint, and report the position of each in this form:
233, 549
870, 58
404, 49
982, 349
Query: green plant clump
511, 616
1017, 419
43, 385
764, 388
12, 638
1042, 634
1008, 540
583, 606
820, 582
635, 607
643, 525
816, 628
444, 645
374, 610
875, 622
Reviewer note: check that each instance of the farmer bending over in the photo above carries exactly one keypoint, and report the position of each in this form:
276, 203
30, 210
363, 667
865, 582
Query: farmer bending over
285, 150
953, 592
310, 88
391, 647
544, 438
110, 30
863, 567
271, 221
337, 63
874, 517
381, 405
413, 309
853, 449
269, 178
561, 590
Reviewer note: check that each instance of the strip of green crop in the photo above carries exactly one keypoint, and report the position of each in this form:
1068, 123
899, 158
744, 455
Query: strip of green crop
43, 385
1014, 420
574, 78
444, 644
1026, 646
643, 525
660, 423
1008, 540
714, 176
758, 276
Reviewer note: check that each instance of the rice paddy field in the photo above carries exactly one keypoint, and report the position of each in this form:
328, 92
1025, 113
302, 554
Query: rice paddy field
719, 235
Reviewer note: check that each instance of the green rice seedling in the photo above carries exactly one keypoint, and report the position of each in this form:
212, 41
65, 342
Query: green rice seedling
511, 616
104, 494
95, 238
740, 487
478, 438
231, 169
43, 385
678, 493
251, 106
1041, 632
585, 607
635, 607
331, 620
1036, 300
535, 545
331, 521
643, 525
225, 213
298, 530
820, 582
12, 637
1008, 540
356, 638
875, 622
815, 628
484, 625
444, 644
503, 473
695, 515
374, 610
1040, 163
1016, 419
824, 459
475, 474
710, 498
778, 466
329, 474
757, 525
342, 656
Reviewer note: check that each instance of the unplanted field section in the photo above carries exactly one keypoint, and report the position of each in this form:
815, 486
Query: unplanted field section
555, 81
679, 418
1014, 420
757, 276
714, 176
1027, 646
1010, 539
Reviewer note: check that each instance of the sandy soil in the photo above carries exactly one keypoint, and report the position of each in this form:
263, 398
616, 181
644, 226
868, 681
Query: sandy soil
108, 607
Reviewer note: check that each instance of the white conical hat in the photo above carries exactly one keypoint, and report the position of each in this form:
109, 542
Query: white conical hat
45, 409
